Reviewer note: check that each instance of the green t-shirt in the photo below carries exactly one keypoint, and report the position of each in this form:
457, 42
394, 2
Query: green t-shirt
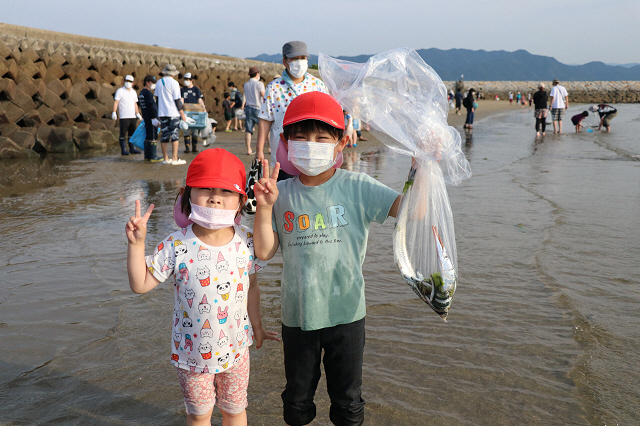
323, 233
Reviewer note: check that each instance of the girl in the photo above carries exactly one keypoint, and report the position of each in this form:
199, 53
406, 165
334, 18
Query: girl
217, 298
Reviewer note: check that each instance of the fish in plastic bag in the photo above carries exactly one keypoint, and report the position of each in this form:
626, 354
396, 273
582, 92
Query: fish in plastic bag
405, 102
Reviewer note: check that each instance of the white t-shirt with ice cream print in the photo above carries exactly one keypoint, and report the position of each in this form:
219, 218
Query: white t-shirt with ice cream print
210, 327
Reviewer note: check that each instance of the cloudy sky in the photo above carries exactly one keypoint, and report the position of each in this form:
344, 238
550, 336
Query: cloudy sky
572, 31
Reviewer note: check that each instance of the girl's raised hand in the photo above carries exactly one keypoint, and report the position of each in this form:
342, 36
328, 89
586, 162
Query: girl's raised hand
266, 189
136, 227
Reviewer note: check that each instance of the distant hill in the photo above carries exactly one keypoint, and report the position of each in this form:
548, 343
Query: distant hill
500, 65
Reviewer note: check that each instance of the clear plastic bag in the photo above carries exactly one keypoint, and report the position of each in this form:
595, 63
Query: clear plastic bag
405, 102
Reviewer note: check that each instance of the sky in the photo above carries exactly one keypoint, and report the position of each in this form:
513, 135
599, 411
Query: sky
572, 31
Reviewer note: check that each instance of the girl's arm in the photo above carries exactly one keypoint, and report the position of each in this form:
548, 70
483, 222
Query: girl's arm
265, 241
253, 308
140, 279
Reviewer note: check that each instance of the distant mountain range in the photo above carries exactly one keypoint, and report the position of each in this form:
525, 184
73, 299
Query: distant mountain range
500, 65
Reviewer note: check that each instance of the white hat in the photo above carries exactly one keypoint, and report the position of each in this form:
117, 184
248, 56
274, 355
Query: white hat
128, 78
188, 76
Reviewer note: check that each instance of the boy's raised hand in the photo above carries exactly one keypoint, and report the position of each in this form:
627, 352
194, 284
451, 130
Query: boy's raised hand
136, 227
266, 189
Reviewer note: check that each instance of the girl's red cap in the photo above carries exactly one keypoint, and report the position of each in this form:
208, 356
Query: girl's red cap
315, 106
217, 168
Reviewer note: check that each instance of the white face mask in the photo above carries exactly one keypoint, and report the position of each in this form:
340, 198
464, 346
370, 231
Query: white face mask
187, 83
153, 86
311, 158
128, 84
298, 67
211, 218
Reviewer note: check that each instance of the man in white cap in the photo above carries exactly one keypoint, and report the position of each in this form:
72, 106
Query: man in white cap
170, 110
280, 92
191, 95
253, 94
559, 102
126, 105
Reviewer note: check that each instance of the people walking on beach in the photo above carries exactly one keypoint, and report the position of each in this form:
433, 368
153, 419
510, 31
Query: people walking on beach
322, 289
577, 120
149, 111
170, 110
280, 92
126, 104
510, 98
228, 110
606, 113
559, 102
540, 113
216, 294
236, 102
191, 95
468, 103
459, 96
529, 100
518, 98
253, 93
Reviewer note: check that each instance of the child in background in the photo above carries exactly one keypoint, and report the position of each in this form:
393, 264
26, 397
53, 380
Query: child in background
321, 220
577, 120
228, 110
217, 298
348, 126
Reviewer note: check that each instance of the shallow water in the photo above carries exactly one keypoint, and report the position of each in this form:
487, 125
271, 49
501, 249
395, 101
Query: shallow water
544, 328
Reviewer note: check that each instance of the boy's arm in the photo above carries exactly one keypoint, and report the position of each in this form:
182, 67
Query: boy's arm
253, 308
140, 279
265, 241
393, 211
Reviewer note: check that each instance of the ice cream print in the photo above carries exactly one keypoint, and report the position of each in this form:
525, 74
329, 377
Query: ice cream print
192, 364
204, 254
205, 350
237, 317
206, 329
223, 340
222, 264
224, 360
184, 272
179, 248
239, 293
177, 337
241, 263
222, 315
186, 321
204, 307
188, 343
223, 290
189, 294
204, 275
168, 265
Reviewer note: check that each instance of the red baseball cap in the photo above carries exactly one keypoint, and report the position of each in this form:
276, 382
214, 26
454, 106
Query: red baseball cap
217, 168
315, 106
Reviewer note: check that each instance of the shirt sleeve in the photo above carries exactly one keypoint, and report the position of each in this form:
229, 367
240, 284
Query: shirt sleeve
175, 90
377, 198
118, 95
200, 95
162, 262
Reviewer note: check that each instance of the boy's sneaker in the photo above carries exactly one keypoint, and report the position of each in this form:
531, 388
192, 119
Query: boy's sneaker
178, 162
169, 161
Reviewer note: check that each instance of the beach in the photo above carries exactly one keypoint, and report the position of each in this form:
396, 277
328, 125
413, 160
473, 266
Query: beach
542, 330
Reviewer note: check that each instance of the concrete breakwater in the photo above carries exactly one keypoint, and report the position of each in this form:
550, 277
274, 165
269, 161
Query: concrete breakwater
56, 90
579, 91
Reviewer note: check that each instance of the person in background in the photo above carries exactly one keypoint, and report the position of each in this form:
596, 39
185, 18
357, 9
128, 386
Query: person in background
236, 102
227, 106
559, 102
280, 92
357, 126
469, 105
529, 100
518, 98
577, 120
606, 113
510, 98
540, 113
458, 96
253, 93
170, 110
149, 110
191, 95
126, 104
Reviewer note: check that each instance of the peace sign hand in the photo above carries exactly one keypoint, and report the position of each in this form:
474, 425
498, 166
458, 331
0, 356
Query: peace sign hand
266, 189
136, 227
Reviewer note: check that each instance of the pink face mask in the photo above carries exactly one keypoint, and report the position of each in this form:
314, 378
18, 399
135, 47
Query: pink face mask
206, 217
282, 157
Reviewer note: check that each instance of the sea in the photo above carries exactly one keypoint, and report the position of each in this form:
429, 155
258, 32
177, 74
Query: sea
544, 328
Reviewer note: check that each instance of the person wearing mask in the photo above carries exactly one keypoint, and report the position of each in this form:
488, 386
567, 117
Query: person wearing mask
295, 80
149, 111
540, 101
253, 92
126, 104
170, 110
559, 102
191, 95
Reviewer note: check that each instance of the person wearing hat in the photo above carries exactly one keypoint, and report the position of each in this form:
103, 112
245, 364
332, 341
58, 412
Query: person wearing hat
149, 110
559, 103
126, 104
280, 92
191, 95
253, 94
322, 288
170, 110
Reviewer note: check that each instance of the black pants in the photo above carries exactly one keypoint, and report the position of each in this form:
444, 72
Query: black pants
541, 124
127, 126
343, 347
152, 131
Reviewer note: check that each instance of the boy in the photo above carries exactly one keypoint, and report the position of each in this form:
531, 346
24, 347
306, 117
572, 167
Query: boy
228, 111
577, 120
321, 220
